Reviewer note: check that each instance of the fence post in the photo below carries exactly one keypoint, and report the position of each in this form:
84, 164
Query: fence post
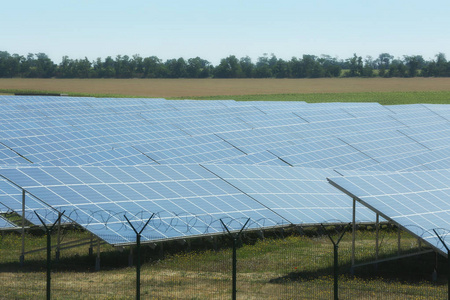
234, 239
138, 254
22, 255
49, 250
336, 259
448, 263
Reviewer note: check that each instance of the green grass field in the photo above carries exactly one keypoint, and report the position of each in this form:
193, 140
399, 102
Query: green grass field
384, 98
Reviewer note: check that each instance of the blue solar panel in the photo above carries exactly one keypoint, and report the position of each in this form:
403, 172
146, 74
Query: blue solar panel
11, 198
5, 224
301, 195
258, 158
429, 160
330, 153
202, 149
98, 158
416, 201
175, 193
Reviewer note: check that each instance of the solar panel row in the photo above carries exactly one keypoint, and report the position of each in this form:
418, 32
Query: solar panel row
99, 159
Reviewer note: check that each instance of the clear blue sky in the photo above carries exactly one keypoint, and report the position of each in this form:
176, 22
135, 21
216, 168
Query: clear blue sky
215, 29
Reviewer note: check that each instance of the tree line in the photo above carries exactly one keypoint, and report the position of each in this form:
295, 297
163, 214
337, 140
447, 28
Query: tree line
39, 65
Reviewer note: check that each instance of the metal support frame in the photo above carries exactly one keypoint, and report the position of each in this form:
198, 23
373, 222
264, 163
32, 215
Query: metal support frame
234, 240
49, 251
66, 245
138, 254
399, 247
336, 259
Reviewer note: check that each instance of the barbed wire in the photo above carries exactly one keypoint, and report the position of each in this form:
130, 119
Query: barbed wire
171, 224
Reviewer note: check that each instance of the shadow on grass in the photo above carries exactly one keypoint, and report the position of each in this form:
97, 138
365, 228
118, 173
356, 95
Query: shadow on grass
412, 270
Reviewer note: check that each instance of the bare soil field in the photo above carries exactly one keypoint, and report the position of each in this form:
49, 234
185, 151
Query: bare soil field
214, 87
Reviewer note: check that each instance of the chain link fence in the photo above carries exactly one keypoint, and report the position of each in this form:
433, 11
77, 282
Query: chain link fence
270, 265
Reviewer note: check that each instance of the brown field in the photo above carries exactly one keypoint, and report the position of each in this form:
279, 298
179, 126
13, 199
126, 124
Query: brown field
214, 87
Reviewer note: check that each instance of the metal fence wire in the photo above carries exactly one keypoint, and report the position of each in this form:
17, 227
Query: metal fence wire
273, 264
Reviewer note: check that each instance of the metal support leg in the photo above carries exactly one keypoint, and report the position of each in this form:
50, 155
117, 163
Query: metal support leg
22, 256
377, 235
189, 246
91, 246
97, 259
353, 234
161, 250
399, 248
216, 248
130, 257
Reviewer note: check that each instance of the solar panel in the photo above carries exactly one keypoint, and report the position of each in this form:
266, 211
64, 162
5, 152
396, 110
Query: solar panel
258, 158
202, 149
416, 201
329, 153
429, 160
11, 198
301, 195
187, 199
99, 158
5, 224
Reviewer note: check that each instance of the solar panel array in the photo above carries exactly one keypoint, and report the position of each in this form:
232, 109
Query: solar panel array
195, 162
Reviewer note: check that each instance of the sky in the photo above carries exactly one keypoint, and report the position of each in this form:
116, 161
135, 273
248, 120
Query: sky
214, 30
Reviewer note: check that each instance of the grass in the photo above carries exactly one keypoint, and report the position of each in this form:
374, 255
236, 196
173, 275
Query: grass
384, 98
293, 267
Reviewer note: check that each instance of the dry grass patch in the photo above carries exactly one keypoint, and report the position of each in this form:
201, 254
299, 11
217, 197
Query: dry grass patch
169, 88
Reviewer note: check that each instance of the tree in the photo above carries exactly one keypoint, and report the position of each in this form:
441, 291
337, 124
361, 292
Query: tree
262, 69
442, 66
414, 64
198, 68
176, 68
368, 67
397, 69
247, 67
295, 65
137, 66
382, 63
355, 66
154, 68
228, 68
280, 69
9, 64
